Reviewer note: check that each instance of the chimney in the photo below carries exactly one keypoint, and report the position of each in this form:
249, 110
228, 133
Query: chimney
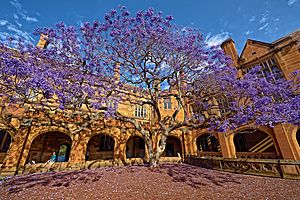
117, 72
43, 43
229, 49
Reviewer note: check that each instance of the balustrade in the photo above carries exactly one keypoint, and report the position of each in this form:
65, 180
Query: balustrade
263, 167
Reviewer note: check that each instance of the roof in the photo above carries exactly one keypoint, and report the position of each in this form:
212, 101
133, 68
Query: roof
286, 37
256, 42
272, 44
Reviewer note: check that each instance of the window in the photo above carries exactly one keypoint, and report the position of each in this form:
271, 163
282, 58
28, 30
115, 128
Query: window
269, 67
140, 111
224, 105
167, 104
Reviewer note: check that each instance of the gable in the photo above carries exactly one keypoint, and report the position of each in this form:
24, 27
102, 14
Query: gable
254, 49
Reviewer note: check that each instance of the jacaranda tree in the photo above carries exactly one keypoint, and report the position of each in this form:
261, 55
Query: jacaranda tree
53, 86
161, 61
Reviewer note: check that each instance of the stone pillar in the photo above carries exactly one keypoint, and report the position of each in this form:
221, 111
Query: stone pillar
289, 151
188, 142
287, 145
227, 145
119, 150
13, 154
78, 150
120, 138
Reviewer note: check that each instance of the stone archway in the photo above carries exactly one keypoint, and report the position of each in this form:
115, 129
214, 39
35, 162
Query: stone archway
5, 141
100, 147
135, 147
45, 144
208, 142
173, 147
251, 143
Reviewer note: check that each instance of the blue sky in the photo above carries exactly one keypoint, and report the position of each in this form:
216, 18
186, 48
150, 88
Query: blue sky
264, 20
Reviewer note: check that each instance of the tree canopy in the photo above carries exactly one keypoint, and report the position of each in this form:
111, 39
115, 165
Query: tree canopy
93, 66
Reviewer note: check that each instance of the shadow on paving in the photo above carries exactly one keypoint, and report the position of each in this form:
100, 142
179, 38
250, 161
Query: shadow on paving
188, 174
55, 179
196, 176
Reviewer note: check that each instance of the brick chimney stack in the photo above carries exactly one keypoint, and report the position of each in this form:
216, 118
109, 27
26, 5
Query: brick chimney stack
43, 43
228, 47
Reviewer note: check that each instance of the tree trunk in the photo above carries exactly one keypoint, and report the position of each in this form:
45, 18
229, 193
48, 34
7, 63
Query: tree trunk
154, 155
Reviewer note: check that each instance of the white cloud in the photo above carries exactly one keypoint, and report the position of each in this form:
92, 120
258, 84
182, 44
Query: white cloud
18, 23
268, 23
263, 27
3, 22
16, 16
27, 18
16, 4
263, 20
265, 17
19, 33
291, 2
252, 19
248, 32
214, 40
80, 23
3, 36
12, 27
22, 12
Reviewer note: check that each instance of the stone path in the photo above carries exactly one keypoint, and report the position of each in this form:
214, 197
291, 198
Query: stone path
137, 182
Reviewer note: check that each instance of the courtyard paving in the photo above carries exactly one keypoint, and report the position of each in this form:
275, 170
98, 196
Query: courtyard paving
138, 182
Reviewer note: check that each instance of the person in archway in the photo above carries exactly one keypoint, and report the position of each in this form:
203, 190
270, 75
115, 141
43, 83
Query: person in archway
51, 160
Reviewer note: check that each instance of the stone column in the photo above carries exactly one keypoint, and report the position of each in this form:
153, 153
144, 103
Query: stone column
120, 146
188, 142
287, 145
78, 150
13, 154
227, 145
289, 151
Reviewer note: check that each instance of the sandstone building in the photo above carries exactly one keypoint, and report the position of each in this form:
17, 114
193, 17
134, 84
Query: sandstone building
109, 143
